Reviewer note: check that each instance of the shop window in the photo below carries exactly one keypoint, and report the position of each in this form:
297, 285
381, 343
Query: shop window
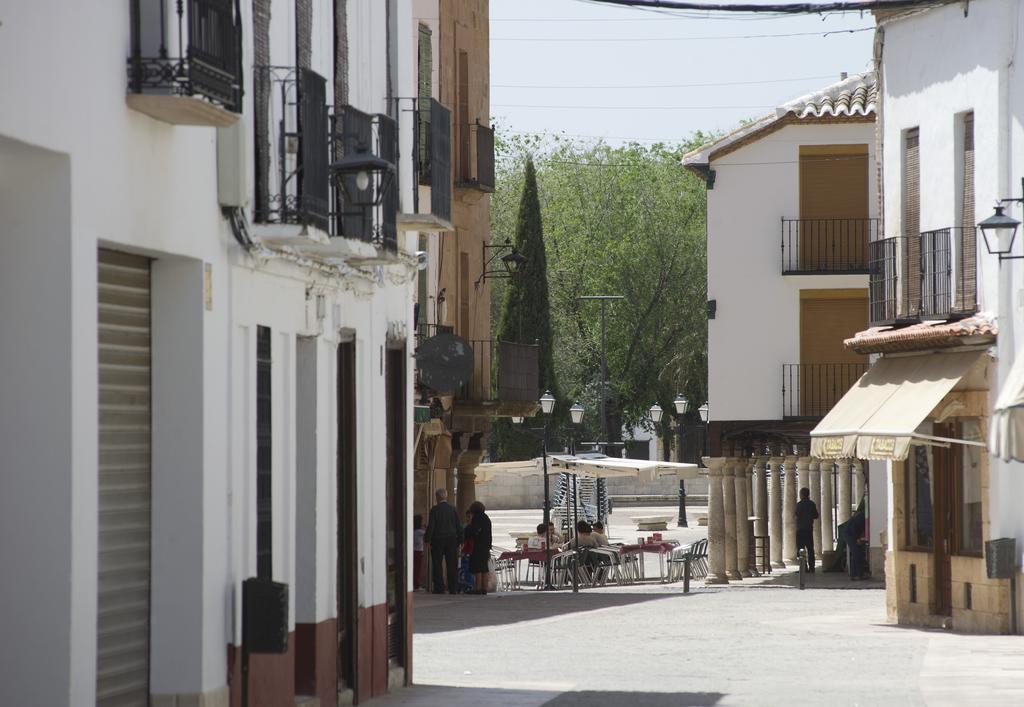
970, 542
920, 516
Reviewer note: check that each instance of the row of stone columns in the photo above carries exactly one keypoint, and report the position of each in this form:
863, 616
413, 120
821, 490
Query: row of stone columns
767, 487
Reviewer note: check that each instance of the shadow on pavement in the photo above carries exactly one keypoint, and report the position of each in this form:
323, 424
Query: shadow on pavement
434, 695
440, 614
818, 580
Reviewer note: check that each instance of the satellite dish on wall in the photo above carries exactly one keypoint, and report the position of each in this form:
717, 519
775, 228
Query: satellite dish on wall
445, 362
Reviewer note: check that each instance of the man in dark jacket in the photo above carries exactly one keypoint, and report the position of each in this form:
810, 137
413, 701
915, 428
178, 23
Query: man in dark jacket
806, 514
444, 534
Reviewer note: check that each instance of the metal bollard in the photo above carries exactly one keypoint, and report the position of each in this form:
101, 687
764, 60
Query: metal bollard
803, 565
686, 575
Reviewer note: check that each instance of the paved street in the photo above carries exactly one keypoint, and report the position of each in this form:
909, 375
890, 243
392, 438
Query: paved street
762, 642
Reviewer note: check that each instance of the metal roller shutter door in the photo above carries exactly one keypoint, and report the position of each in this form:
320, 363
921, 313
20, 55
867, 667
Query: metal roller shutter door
122, 669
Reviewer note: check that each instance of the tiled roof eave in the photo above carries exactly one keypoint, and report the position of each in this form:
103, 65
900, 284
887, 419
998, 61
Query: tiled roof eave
978, 330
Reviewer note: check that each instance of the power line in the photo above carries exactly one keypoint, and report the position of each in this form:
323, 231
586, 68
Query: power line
617, 165
794, 8
579, 107
662, 86
852, 30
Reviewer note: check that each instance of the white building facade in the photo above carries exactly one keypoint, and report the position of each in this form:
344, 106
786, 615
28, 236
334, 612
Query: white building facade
791, 206
210, 374
951, 132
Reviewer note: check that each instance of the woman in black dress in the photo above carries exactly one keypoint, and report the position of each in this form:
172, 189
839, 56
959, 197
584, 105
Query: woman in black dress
480, 530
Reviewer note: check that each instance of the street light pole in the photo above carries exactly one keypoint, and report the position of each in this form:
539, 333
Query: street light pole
604, 300
682, 405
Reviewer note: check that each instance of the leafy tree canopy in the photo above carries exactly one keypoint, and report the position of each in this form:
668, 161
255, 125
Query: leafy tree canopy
624, 221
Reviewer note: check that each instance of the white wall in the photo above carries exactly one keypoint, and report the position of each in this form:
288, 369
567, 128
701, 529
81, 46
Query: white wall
80, 170
757, 326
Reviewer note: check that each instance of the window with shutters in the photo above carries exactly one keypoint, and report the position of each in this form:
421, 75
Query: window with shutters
425, 69
911, 219
264, 480
966, 247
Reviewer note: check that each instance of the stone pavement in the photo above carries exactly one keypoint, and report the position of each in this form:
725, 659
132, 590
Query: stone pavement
758, 642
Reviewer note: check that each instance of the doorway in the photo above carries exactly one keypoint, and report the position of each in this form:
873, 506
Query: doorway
347, 542
944, 506
396, 505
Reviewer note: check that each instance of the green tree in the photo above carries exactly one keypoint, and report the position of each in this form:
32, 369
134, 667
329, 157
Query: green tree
525, 312
626, 221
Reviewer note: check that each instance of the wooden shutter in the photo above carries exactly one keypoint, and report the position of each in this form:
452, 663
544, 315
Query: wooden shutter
911, 268
264, 477
424, 92
833, 207
125, 480
967, 245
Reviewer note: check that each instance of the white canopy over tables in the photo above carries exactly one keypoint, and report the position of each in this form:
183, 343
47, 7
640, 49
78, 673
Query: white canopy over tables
589, 464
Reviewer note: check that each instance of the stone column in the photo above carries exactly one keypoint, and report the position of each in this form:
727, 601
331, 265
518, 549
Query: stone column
466, 471
760, 496
789, 511
859, 480
815, 486
742, 513
843, 502
828, 538
716, 522
775, 512
729, 505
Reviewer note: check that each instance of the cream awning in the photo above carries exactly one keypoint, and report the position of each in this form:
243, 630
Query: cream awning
878, 416
1006, 428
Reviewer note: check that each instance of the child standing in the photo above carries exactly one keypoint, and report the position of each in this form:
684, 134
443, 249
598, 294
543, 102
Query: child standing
418, 532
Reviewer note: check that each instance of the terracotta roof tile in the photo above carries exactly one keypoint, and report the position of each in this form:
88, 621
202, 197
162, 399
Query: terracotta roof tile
924, 335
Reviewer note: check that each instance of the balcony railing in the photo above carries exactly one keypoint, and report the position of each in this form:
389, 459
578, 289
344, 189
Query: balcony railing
884, 292
949, 279
931, 275
503, 372
292, 176
184, 65
434, 158
809, 390
476, 157
354, 130
833, 246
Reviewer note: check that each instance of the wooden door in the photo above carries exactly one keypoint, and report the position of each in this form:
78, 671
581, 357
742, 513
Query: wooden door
944, 506
827, 368
348, 574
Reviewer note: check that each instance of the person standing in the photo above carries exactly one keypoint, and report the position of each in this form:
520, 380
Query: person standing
479, 531
444, 534
418, 533
806, 514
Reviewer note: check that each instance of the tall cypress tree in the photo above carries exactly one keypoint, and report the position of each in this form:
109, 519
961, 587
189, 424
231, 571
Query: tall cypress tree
526, 314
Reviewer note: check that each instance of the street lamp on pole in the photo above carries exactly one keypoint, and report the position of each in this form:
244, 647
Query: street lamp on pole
682, 406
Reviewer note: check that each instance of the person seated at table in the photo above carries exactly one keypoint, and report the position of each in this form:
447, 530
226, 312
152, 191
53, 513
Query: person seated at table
554, 537
538, 541
584, 536
599, 533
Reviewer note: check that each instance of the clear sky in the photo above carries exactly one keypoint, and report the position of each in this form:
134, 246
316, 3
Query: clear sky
592, 69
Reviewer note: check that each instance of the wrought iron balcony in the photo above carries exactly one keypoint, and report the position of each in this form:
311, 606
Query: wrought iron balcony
292, 178
184, 66
888, 291
826, 246
355, 131
949, 277
434, 156
475, 168
809, 390
505, 379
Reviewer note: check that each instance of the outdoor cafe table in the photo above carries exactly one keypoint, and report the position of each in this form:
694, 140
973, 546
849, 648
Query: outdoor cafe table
660, 548
539, 556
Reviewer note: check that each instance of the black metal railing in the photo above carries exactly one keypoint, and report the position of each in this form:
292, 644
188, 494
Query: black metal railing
192, 50
829, 245
295, 188
948, 272
354, 130
503, 371
476, 157
809, 390
884, 292
434, 156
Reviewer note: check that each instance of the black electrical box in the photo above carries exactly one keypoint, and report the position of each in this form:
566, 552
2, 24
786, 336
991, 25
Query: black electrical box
264, 616
1001, 558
